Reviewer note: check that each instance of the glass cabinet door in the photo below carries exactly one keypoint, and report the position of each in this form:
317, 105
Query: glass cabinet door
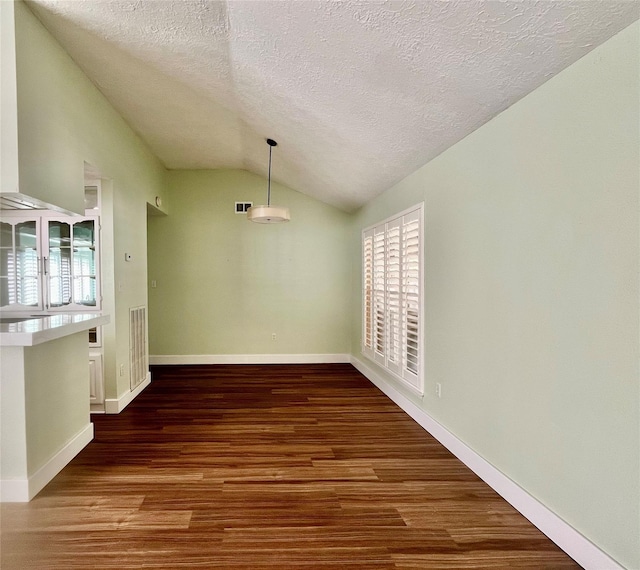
72, 264
27, 264
59, 264
19, 264
84, 263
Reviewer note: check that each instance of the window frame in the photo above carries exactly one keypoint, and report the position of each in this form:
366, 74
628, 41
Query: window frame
389, 286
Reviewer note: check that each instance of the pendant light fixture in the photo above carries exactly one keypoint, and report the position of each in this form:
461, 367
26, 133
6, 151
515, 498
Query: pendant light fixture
268, 214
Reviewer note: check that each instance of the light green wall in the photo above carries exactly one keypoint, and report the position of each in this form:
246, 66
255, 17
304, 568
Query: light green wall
63, 121
224, 284
44, 404
8, 101
55, 382
13, 418
531, 292
531, 265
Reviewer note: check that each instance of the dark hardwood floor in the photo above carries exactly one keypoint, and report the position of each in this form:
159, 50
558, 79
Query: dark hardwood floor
267, 467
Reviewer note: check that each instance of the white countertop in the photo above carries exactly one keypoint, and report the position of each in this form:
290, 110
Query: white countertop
43, 329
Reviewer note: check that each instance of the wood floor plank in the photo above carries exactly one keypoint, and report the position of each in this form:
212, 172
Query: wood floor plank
274, 467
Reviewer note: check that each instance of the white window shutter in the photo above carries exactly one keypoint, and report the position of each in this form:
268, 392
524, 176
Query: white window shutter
394, 320
392, 296
367, 293
411, 294
379, 294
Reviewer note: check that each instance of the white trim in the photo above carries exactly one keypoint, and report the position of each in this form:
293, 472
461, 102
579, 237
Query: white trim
249, 358
580, 548
409, 210
116, 405
396, 377
14, 491
23, 490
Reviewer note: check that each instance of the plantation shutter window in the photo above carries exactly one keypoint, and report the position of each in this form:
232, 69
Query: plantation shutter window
392, 295
393, 303
378, 294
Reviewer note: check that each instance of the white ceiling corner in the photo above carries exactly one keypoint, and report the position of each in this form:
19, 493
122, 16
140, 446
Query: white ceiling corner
358, 94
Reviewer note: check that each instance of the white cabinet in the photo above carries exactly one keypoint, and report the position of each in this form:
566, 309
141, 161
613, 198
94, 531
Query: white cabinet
49, 263
96, 381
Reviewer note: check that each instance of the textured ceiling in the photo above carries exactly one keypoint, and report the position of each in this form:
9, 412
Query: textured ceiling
358, 94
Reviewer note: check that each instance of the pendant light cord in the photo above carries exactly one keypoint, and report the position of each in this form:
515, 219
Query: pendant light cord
269, 183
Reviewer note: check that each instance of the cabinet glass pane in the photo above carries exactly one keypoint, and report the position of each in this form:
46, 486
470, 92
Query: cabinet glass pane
59, 263
7, 266
60, 290
84, 262
6, 235
5, 296
83, 234
59, 234
26, 260
84, 291
28, 291
27, 263
6, 262
6, 250
26, 235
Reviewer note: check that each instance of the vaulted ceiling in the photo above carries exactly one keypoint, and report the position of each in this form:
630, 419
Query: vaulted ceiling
358, 94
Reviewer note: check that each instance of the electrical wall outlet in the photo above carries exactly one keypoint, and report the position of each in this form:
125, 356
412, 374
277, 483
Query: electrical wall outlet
273, 336
438, 389
122, 370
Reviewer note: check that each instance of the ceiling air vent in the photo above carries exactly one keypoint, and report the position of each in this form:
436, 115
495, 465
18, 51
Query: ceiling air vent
242, 207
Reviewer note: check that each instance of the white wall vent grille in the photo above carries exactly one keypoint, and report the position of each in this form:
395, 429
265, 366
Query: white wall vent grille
138, 365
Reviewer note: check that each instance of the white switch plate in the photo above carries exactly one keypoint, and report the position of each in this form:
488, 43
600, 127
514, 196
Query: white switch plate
438, 389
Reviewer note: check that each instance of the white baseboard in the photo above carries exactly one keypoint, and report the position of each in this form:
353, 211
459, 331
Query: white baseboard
23, 490
14, 491
116, 405
249, 358
581, 549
